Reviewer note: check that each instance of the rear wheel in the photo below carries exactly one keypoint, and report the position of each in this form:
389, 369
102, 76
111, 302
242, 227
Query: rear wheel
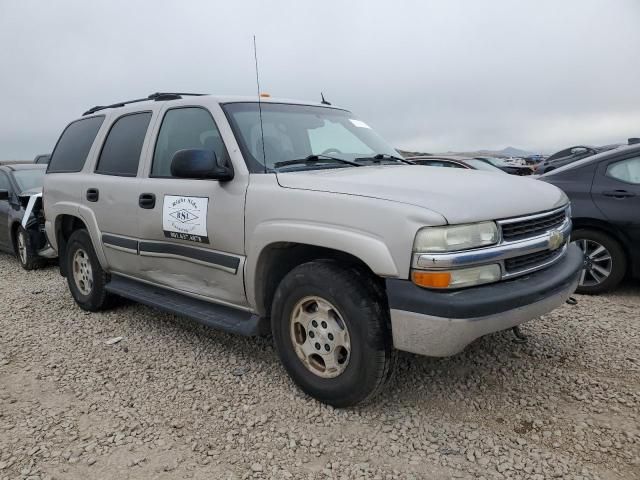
605, 262
85, 276
331, 332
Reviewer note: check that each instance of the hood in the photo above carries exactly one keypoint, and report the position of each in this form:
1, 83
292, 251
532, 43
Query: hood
461, 196
31, 192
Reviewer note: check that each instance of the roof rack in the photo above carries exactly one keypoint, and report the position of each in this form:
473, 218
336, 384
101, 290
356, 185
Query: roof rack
158, 97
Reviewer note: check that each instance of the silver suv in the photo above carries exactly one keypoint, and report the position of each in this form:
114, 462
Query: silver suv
299, 220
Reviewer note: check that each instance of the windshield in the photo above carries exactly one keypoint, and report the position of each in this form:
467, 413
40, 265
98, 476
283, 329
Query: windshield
294, 132
29, 179
480, 165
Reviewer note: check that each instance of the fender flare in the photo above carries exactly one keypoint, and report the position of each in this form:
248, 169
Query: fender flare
368, 248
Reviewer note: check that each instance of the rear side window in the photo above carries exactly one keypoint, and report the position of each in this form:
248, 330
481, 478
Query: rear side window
74, 144
121, 150
626, 170
182, 128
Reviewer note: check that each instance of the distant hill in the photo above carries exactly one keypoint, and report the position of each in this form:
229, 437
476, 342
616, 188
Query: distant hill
505, 152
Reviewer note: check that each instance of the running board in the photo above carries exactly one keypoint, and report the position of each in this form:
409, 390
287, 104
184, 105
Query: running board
221, 317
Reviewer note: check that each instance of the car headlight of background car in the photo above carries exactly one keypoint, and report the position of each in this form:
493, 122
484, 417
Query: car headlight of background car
451, 239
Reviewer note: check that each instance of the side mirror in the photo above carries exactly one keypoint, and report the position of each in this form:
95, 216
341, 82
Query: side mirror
4, 194
200, 164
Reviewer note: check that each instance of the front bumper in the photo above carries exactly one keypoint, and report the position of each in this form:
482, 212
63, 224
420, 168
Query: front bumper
442, 323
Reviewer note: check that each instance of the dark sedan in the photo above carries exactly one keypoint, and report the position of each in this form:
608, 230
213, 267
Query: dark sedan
20, 186
605, 199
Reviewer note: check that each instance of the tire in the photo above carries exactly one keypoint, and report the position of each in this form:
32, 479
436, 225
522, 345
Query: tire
593, 280
309, 289
85, 276
25, 253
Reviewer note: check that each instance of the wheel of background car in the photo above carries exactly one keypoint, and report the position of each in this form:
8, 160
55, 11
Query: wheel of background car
24, 250
330, 150
330, 331
85, 276
605, 262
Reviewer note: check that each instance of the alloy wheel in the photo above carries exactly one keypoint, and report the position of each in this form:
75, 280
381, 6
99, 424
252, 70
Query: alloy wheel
22, 248
320, 337
597, 263
82, 272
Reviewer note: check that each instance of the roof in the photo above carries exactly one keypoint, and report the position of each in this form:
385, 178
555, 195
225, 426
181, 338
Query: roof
188, 98
633, 148
14, 162
24, 166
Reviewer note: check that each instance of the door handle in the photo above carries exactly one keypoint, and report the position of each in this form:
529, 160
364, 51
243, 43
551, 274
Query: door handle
147, 200
618, 194
93, 194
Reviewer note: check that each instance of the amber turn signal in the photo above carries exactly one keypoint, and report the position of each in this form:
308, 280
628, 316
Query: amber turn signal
431, 279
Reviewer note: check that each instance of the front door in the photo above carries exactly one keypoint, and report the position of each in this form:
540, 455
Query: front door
192, 238
616, 192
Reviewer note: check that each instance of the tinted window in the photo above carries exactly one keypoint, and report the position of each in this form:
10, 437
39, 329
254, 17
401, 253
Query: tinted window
184, 128
74, 145
121, 150
625, 170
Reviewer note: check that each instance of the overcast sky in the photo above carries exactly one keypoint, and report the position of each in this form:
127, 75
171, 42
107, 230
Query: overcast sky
427, 75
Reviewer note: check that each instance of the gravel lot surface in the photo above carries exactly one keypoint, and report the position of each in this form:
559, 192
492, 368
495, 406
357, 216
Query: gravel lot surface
173, 399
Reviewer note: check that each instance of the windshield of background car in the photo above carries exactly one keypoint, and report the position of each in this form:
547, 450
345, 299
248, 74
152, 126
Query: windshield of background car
29, 179
293, 132
480, 165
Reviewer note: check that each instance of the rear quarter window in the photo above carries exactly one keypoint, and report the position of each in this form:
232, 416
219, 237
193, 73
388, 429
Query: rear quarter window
74, 144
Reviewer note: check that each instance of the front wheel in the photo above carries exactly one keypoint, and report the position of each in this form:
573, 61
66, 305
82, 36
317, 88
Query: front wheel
605, 262
331, 333
85, 276
24, 250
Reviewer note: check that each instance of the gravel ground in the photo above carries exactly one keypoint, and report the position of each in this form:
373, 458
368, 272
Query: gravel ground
173, 399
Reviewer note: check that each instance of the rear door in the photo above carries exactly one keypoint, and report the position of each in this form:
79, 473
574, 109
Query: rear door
616, 192
111, 192
192, 231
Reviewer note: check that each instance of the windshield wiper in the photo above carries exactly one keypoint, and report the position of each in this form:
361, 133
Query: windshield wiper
379, 157
313, 159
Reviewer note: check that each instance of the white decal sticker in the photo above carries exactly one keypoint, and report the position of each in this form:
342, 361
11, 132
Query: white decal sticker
359, 123
185, 218
27, 211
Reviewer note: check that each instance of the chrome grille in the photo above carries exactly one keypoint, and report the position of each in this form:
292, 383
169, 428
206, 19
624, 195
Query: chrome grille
532, 226
531, 260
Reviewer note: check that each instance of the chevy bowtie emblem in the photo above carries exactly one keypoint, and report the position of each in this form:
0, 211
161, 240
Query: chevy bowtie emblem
556, 239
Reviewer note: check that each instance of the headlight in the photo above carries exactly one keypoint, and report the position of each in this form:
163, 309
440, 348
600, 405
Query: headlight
455, 237
463, 277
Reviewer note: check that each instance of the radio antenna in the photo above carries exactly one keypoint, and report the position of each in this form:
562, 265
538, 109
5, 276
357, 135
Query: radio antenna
255, 56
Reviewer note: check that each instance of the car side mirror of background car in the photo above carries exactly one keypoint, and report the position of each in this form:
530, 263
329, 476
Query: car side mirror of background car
200, 164
4, 194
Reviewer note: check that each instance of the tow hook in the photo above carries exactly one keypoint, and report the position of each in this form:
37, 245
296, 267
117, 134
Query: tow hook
519, 336
572, 301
